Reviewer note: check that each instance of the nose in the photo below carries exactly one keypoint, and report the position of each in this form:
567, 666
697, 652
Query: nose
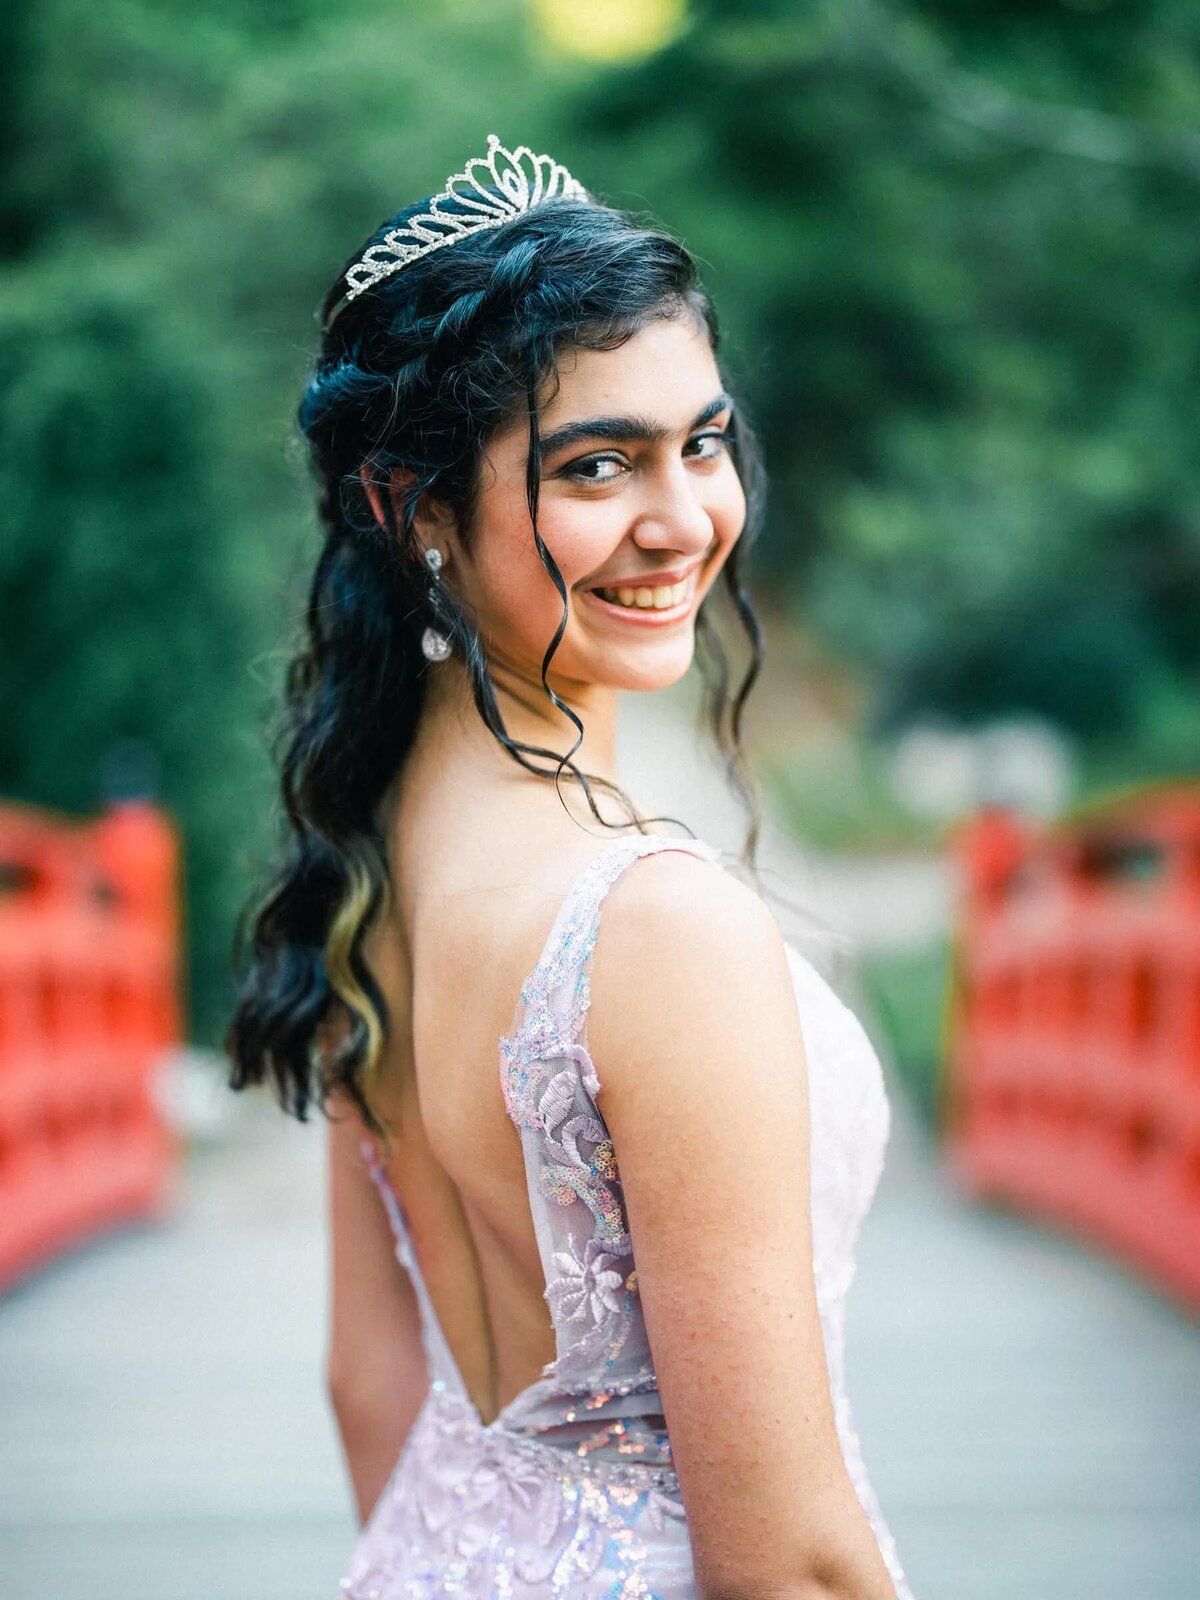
674, 515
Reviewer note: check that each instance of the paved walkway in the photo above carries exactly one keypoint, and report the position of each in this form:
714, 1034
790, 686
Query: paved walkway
164, 1433
1029, 1413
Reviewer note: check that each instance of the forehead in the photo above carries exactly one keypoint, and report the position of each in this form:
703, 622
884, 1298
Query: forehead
665, 370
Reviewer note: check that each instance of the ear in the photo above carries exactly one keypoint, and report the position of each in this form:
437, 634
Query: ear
374, 488
371, 488
433, 522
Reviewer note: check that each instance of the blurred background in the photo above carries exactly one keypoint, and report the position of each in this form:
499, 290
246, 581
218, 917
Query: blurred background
956, 255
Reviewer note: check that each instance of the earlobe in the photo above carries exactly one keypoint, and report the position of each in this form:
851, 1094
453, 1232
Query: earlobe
433, 525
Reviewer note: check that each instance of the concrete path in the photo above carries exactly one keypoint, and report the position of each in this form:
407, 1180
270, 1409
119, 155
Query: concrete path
1029, 1413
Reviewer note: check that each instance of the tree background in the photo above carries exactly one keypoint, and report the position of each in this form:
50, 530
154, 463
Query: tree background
956, 254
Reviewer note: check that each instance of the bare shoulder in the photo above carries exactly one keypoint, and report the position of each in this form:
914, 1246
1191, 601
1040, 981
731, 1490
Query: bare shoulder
668, 884
687, 954
673, 893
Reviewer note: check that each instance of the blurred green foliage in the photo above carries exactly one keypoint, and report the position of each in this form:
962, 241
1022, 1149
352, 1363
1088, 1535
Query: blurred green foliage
958, 246
908, 991
956, 255
835, 794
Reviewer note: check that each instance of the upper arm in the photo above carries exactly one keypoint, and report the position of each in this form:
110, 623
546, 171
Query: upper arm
694, 1028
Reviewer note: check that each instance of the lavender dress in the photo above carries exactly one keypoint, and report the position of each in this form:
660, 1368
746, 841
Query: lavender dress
570, 1491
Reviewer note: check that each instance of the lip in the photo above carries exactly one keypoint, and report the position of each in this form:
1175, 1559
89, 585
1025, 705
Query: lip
647, 616
649, 580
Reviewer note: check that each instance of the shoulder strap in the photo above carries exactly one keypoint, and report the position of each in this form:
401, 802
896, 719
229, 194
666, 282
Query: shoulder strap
443, 1370
555, 996
391, 1202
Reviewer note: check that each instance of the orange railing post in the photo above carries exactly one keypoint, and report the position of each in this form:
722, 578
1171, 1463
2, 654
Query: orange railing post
1073, 1089
89, 1006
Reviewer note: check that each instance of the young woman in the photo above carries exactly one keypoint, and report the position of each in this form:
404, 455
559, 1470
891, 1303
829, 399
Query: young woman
593, 1195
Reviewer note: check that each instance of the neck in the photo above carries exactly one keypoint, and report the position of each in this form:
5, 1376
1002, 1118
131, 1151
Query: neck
450, 720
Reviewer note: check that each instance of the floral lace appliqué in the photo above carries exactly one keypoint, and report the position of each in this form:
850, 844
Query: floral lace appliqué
550, 1084
593, 1283
571, 1491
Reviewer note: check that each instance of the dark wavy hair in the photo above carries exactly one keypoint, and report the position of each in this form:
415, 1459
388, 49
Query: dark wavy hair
417, 373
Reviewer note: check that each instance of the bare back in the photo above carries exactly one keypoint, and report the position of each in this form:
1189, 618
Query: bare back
475, 902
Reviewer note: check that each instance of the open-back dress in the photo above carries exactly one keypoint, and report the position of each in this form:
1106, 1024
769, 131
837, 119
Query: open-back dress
570, 1491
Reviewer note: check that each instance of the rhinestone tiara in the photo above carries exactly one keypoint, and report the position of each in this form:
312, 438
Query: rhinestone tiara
523, 181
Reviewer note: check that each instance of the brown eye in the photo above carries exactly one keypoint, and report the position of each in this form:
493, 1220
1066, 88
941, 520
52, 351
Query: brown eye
718, 437
581, 471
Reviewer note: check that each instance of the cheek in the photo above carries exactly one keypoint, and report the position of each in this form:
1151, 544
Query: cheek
579, 537
582, 535
520, 598
727, 508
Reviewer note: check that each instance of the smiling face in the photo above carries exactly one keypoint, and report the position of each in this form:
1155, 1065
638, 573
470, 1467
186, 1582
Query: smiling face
640, 506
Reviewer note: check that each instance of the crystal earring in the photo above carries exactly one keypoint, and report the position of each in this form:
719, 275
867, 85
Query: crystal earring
434, 645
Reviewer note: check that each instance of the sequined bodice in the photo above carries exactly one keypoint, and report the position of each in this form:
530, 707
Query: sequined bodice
570, 1490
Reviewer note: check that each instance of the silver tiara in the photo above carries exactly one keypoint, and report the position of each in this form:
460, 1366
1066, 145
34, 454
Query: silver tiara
523, 180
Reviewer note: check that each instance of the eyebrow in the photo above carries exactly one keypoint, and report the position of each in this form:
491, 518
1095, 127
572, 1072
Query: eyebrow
625, 430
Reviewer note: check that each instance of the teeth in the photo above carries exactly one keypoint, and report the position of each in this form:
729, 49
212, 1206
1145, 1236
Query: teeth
661, 598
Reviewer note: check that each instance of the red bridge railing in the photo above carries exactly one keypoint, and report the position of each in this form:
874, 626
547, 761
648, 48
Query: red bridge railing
89, 1004
1073, 1089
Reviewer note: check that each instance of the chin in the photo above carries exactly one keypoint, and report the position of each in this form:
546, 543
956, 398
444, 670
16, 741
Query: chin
645, 677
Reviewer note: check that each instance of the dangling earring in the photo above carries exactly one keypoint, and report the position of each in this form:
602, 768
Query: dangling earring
434, 645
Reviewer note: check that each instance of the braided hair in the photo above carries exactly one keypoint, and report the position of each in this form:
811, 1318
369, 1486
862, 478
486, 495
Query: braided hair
414, 376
